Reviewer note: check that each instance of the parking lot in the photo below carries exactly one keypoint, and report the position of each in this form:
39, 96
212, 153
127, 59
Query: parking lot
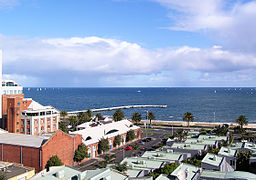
154, 137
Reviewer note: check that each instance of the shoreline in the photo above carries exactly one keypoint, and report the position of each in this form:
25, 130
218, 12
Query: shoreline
196, 124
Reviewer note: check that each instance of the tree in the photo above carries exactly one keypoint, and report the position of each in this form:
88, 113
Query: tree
63, 113
103, 145
108, 159
136, 117
167, 169
3, 175
151, 117
188, 117
73, 121
117, 140
62, 126
118, 115
241, 120
80, 153
89, 113
99, 116
242, 163
221, 130
53, 161
130, 136
120, 167
181, 134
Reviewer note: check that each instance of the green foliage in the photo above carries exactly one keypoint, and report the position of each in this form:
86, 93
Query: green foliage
135, 146
117, 140
151, 116
62, 126
202, 132
99, 116
231, 138
193, 161
118, 115
239, 130
73, 121
130, 136
108, 159
181, 134
136, 117
3, 175
213, 150
241, 120
89, 113
63, 113
242, 163
221, 130
188, 117
80, 153
120, 167
167, 169
53, 161
83, 117
103, 145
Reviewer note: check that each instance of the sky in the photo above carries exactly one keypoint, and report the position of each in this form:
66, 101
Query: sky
129, 43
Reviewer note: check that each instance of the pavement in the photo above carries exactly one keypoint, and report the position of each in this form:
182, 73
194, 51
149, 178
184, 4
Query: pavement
156, 136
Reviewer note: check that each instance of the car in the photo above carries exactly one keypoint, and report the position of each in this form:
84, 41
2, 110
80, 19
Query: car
128, 148
141, 142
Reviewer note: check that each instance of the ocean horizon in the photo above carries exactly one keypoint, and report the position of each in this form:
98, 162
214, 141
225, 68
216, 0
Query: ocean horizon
207, 104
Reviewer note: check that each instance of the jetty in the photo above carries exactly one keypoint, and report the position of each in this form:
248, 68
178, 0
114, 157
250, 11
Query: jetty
119, 107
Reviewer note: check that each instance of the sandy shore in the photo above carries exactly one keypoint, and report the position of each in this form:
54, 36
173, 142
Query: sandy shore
196, 124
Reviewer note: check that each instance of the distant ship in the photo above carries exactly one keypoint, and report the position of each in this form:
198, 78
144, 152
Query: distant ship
215, 91
138, 91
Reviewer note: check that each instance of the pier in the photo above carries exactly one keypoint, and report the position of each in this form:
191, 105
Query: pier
119, 107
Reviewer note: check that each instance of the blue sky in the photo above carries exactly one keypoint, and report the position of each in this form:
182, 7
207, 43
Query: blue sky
93, 43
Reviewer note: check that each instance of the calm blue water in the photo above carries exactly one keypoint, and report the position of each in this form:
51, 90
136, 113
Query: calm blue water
227, 103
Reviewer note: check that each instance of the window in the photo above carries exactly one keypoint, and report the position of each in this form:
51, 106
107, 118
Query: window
42, 121
54, 119
48, 126
54, 126
28, 130
15, 91
42, 113
11, 92
35, 129
89, 152
28, 122
42, 128
48, 112
22, 122
18, 103
17, 123
48, 119
35, 122
17, 130
22, 130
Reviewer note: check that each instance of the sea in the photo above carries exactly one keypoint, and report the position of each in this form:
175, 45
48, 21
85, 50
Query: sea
206, 104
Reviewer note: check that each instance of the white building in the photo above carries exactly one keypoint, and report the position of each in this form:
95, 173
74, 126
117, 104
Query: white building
38, 119
11, 87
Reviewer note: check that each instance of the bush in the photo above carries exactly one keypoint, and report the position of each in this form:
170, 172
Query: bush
130, 136
53, 161
62, 126
167, 169
117, 140
103, 145
80, 153
118, 115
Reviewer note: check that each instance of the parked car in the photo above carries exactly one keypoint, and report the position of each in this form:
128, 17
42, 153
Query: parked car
128, 148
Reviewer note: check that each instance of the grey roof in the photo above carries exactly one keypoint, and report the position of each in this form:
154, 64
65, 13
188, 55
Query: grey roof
22, 140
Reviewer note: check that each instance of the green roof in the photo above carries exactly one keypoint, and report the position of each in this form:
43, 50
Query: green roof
162, 155
65, 172
250, 146
213, 137
228, 175
142, 163
164, 177
183, 168
104, 172
225, 151
212, 159
188, 146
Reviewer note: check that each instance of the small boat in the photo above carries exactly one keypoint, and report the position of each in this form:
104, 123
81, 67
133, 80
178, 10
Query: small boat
138, 91
215, 91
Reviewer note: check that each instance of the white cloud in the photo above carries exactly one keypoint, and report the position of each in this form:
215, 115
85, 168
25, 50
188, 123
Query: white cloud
230, 23
8, 3
94, 61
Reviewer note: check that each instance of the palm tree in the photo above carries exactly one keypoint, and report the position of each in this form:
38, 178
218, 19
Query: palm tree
151, 116
188, 117
241, 120
136, 117
181, 134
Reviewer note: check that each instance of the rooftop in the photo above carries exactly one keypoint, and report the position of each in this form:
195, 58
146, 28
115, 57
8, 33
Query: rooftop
9, 83
22, 140
104, 173
225, 151
142, 163
92, 135
13, 170
185, 171
162, 155
59, 172
228, 175
212, 137
188, 146
212, 159
200, 141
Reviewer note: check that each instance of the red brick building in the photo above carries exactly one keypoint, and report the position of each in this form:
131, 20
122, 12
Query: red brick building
35, 151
